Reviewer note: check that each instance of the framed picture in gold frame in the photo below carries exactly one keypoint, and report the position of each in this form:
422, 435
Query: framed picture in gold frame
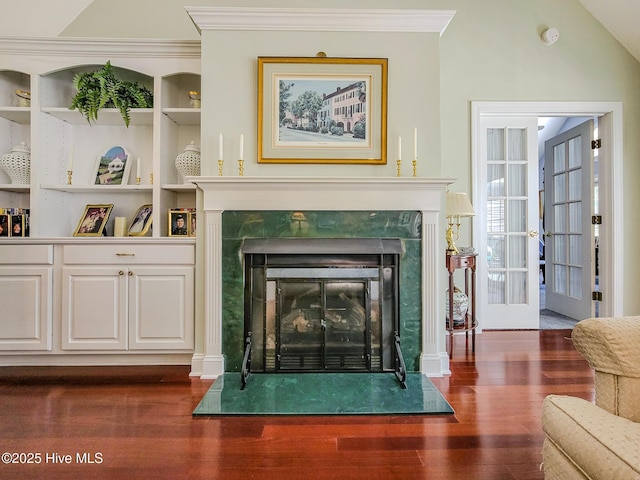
322, 110
93, 220
179, 223
141, 222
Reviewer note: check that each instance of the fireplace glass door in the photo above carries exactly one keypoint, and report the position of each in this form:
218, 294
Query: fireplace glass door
323, 325
318, 321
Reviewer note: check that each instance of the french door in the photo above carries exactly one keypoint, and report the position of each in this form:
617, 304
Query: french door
509, 211
569, 245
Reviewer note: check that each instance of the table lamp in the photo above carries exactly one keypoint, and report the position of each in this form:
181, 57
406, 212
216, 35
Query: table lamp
458, 206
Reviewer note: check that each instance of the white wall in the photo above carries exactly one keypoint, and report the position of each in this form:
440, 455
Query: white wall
229, 103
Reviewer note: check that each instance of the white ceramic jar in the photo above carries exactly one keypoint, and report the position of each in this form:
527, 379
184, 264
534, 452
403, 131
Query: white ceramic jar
188, 162
17, 164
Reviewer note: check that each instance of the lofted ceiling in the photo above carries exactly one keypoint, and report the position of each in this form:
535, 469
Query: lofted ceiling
620, 17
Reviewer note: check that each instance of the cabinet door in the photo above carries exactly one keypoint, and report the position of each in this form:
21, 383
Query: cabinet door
25, 315
94, 308
161, 308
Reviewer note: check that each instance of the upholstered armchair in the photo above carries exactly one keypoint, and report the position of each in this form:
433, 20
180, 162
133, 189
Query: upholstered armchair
601, 440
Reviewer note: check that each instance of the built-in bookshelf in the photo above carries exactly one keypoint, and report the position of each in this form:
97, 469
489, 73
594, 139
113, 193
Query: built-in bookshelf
65, 147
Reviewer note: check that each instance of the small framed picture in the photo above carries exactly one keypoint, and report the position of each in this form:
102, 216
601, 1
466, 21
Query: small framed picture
141, 223
17, 226
192, 225
113, 167
4, 225
93, 220
179, 222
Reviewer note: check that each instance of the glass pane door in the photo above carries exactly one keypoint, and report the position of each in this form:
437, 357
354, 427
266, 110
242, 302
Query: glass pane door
508, 212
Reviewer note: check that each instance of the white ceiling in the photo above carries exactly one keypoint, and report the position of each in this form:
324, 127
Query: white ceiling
621, 18
46, 18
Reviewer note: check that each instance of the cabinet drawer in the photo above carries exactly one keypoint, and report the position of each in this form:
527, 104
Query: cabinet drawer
26, 254
129, 254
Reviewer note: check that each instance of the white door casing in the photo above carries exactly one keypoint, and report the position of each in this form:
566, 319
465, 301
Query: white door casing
611, 190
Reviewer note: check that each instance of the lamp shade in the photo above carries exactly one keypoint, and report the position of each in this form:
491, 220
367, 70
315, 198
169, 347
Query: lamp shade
458, 205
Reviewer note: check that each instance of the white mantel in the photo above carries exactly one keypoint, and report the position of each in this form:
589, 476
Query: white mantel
323, 193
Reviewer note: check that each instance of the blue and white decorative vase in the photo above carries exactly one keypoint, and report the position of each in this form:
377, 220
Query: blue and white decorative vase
460, 306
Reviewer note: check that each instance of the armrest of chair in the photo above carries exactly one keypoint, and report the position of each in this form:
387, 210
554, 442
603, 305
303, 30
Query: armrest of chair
610, 345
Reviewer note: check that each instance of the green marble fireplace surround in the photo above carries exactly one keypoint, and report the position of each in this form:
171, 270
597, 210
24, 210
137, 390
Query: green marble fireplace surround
240, 225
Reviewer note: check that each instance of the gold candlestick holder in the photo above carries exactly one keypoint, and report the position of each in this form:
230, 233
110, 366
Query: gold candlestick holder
69, 177
151, 179
220, 165
399, 165
414, 162
138, 180
241, 167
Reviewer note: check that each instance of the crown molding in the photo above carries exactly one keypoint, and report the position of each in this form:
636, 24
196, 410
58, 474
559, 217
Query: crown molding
79, 47
320, 19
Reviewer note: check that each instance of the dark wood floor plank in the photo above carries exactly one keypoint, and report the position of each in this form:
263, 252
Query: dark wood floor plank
139, 420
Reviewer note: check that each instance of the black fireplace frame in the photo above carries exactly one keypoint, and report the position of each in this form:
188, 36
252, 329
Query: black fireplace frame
334, 254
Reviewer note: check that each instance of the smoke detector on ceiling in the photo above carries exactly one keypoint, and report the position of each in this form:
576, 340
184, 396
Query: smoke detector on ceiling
550, 36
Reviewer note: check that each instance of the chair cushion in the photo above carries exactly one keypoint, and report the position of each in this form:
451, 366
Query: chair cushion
610, 345
600, 445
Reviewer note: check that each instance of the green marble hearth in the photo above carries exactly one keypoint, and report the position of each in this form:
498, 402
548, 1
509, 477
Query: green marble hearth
323, 394
240, 225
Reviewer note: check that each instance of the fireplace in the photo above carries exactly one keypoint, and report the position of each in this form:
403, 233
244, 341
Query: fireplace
322, 305
221, 327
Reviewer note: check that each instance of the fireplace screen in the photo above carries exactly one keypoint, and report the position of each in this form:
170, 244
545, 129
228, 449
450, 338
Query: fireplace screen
308, 310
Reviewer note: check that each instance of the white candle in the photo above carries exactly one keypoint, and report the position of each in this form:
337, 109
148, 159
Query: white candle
415, 143
241, 147
399, 148
138, 168
220, 147
70, 166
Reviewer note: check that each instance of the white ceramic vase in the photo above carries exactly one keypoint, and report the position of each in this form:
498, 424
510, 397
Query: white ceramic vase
188, 162
17, 164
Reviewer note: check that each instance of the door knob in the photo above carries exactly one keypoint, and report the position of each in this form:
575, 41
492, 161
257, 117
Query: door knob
533, 233
547, 234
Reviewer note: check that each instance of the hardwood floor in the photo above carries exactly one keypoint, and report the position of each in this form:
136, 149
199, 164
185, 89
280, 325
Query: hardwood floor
136, 423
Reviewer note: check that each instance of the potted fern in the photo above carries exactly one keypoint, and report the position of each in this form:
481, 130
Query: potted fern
102, 89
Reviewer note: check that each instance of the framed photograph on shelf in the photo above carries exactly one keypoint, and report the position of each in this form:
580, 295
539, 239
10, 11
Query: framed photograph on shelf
17, 226
179, 222
192, 224
93, 221
113, 167
4, 225
141, 222
322, 110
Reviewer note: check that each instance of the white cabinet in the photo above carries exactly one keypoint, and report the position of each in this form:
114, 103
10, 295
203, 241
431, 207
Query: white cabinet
97, 300
161, 313
130, 305
26, 297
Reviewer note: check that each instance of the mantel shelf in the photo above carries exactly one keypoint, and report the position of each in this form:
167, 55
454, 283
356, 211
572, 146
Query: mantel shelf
106, 116
322, 193
117, 189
